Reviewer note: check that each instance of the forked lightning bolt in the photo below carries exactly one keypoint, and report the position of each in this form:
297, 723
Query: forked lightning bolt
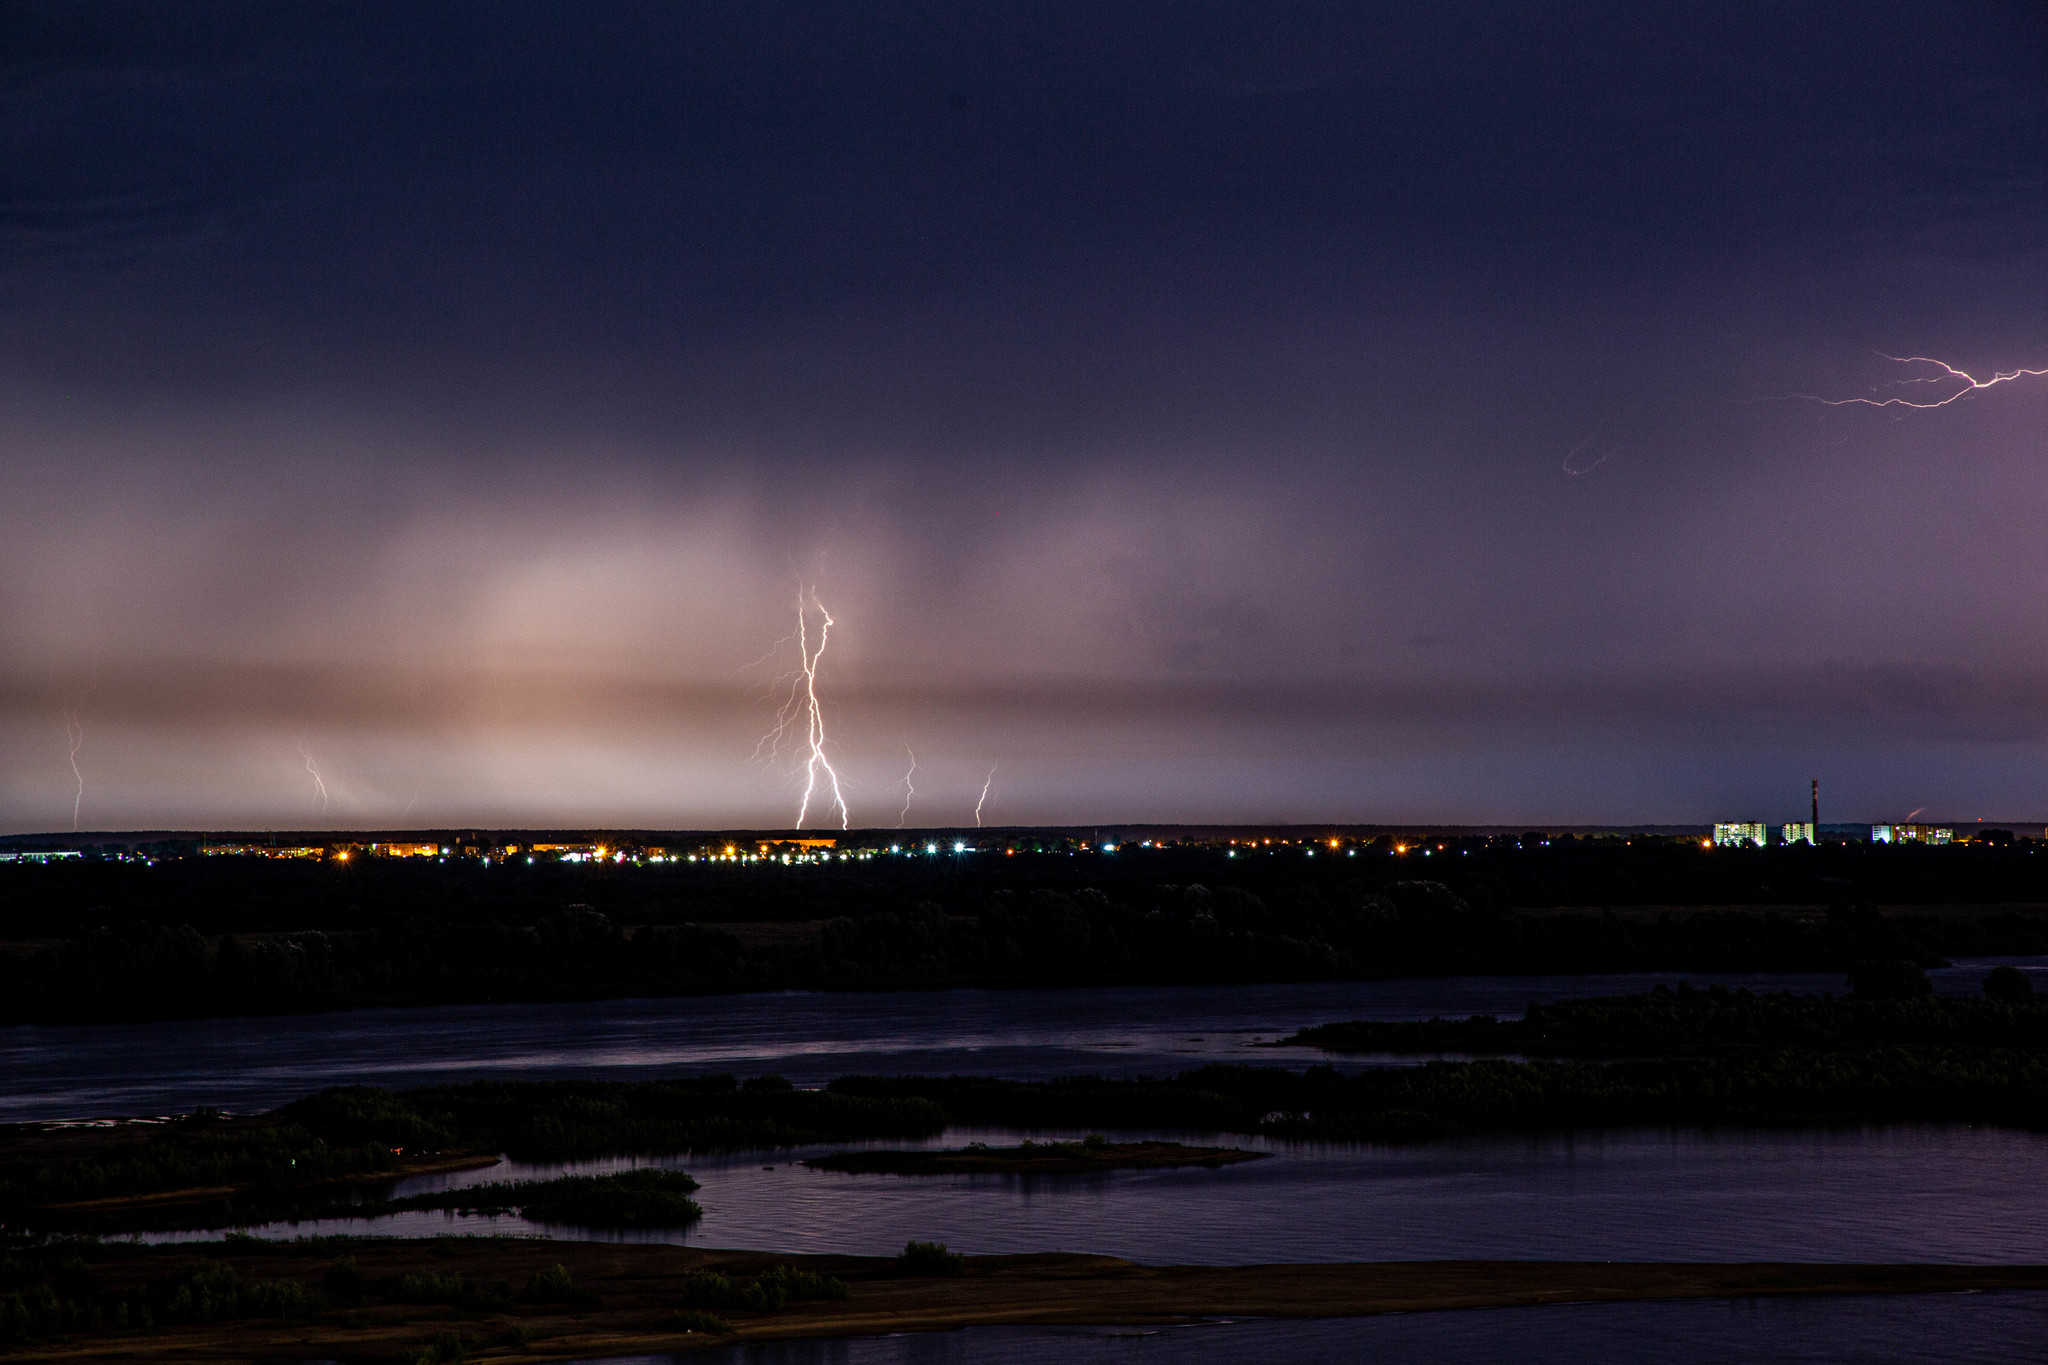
986, 782
1949, 375
909, 792
802, 711
74, 734
319, 787
74, 739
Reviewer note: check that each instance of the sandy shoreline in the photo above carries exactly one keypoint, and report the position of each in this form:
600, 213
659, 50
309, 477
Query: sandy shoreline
637, 1289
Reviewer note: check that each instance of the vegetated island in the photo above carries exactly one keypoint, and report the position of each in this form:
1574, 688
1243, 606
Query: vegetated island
502, 1299
336, 1153
1034, 1158
1688, 1022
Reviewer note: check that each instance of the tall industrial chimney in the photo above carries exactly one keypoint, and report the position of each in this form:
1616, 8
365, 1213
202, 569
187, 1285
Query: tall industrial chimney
1816, 812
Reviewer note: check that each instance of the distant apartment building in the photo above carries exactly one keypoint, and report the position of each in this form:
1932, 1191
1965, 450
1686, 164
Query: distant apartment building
1736, 835
1911, 834
1801, 833
264, 850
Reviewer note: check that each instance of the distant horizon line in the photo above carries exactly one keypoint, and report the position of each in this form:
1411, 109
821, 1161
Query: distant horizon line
1124, 829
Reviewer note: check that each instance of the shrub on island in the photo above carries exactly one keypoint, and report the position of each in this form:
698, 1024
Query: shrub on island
2008, 985
768, 1292
929, 1258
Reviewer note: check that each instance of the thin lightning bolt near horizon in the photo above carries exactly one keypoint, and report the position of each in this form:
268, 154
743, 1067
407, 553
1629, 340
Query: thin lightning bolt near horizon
986, 782
1949, 374
319, 787
802, 710
74, 736
909, 792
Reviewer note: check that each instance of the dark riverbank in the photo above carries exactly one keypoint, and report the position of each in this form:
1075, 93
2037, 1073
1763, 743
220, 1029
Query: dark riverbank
198, 937
504, 1300
1696, 1022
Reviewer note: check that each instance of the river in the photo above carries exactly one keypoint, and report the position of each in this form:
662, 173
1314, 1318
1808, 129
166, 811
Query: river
1949, 1193
1951, 1329
244, 1065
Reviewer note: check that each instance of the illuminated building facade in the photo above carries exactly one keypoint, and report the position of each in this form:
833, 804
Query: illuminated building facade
1911, 834
1736, 835
264, 850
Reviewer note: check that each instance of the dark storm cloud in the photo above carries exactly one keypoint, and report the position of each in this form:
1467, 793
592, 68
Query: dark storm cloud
1268, 378
1939, 703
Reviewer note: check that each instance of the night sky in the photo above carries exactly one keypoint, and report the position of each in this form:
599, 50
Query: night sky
1348, 412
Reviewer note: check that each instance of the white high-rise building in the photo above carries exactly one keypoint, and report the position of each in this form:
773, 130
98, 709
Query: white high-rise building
1736, 835
1911, 834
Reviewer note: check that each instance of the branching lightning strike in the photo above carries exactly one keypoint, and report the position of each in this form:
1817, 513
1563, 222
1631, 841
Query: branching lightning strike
319, 787
1949, 374
986, 782
74, 739
801, 710
74, 735
909, 792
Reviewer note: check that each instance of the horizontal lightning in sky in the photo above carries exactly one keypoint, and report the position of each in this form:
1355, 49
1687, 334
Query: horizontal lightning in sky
1949, 375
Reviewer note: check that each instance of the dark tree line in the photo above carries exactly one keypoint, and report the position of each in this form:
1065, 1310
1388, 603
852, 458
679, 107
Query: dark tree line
428, 934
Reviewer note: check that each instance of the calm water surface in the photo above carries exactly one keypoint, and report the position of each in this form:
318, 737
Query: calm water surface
243, 1065
1933, 1193
1963, 1329
1922, 1193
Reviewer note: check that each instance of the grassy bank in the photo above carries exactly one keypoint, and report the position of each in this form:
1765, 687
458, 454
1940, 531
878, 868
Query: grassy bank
1693, 1022
488, 1300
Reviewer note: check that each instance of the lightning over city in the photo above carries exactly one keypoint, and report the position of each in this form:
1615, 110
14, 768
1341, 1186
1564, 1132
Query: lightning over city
803, 714
982, 800
1409, 488
319, 784
909, 791
74, 735
1076, 397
